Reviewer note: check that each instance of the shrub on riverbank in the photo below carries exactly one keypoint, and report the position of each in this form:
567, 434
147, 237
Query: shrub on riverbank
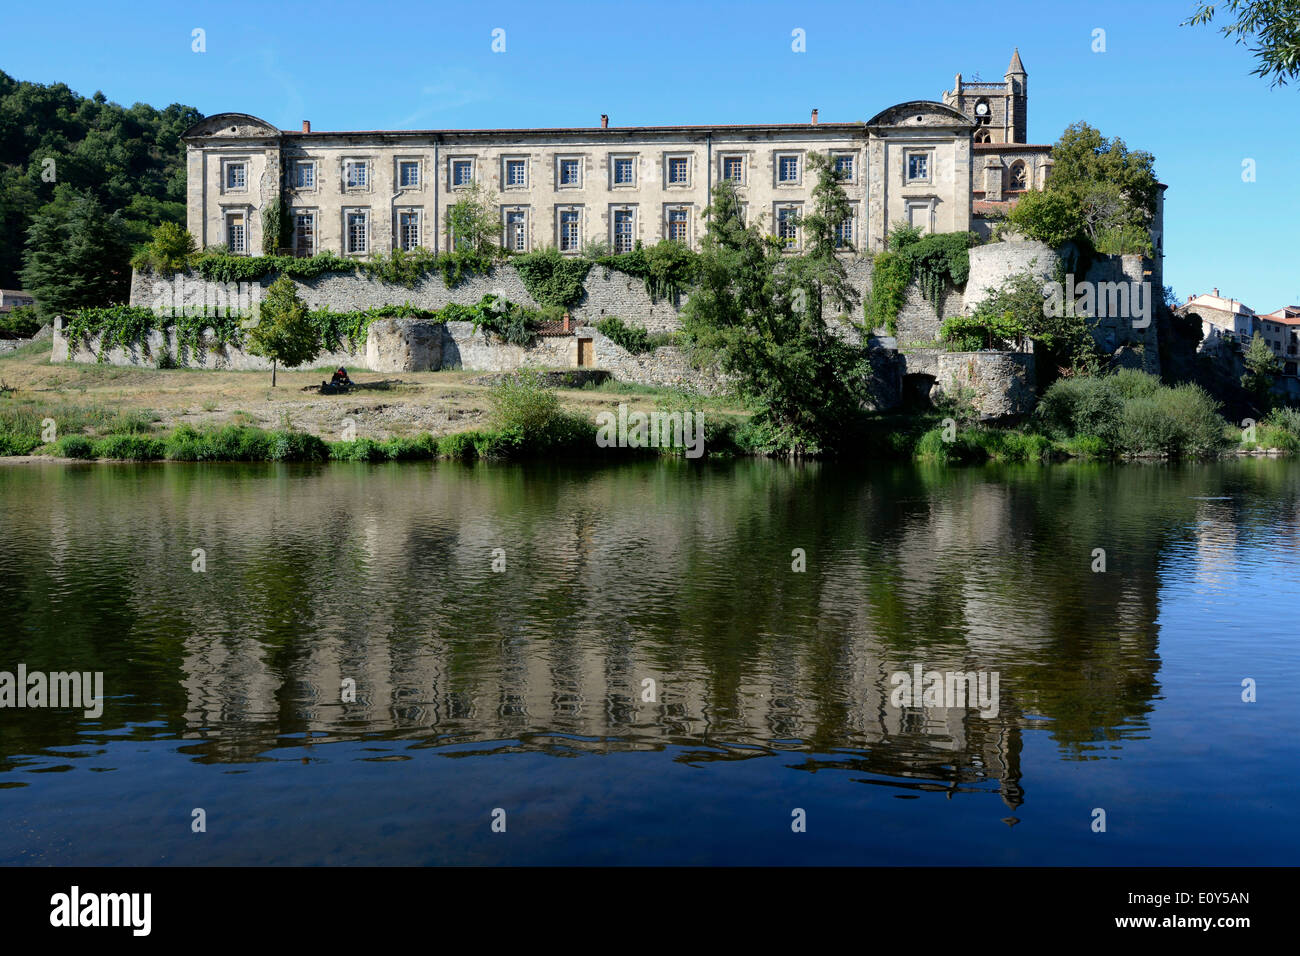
1132, 413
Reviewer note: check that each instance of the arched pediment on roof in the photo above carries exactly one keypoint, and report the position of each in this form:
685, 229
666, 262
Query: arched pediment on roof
231, 124
920, 113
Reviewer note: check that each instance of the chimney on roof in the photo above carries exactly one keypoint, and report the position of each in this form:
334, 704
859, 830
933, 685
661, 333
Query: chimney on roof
814, 118
1216, 293
566, 323
306, 126
604, 121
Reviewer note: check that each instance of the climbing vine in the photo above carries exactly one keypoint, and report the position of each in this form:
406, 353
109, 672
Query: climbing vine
552, 278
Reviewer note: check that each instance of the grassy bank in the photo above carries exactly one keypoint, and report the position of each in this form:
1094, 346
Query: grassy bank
193, 415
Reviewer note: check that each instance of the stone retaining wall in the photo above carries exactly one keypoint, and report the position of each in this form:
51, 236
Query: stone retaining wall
406, 345
1002, 383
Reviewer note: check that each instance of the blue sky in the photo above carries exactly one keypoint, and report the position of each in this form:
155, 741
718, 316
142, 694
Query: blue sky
1184, 94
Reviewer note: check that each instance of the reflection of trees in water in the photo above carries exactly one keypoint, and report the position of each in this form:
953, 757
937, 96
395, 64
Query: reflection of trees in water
672, 572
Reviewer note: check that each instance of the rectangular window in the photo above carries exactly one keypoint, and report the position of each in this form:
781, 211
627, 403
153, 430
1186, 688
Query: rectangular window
304, 175
787, 226
408, 174
679, 171
624, 171
677, 225
623, 225
516, 172
357, 175
844, 234
236, 176
844, 167
408, 229
918, 166
570, 231
358, 232
733, 168
236, 236
516, 230
788, 169
570, 172
462, 172
304, 234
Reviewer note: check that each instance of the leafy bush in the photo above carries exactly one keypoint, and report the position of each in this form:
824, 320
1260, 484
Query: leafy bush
1286, 418
1051, 217
1081, 405
16, 443
1182, 420
521, 404
172, 249
551, 277
458, 446
21, 322
129, 448
631, 337
75, 446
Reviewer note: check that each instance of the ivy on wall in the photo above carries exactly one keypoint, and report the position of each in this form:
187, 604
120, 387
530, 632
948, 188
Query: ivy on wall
936, 262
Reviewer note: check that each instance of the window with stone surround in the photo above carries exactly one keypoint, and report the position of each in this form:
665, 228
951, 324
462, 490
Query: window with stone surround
679, 171
304, 232
787, 169
787, 226
678, 224
733, 168
844, 233
236, 233
408, 174
357, 174
569, 229
916, 165
516, 230
1019, 175
304, 174
236, 178
845, 167
408, 229
356, 232
569, 173
623, 230
462, 172
623, 171
515, 175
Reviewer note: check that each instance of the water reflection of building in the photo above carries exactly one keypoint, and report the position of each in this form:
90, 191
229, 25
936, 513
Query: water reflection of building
314, 578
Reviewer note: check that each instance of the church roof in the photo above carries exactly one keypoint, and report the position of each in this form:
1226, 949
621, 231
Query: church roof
1016, 66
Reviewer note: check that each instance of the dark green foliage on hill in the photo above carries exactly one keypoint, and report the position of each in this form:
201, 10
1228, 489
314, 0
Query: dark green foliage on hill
56, 146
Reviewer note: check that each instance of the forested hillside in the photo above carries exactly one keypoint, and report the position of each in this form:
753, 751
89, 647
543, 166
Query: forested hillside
83, 168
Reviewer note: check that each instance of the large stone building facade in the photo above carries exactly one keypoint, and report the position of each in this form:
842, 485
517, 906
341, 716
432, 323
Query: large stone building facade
923, 162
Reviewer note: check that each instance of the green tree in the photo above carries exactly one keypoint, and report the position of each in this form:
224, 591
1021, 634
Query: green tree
1272, 26
1099, 193
763, 312
76, 256
1261, 365
284, 332
169, 251
472, 220
52, 139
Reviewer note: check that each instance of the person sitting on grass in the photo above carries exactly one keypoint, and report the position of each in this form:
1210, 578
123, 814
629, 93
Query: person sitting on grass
341, 377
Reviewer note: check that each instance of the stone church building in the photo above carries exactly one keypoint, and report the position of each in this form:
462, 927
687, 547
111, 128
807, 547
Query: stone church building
941, 166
